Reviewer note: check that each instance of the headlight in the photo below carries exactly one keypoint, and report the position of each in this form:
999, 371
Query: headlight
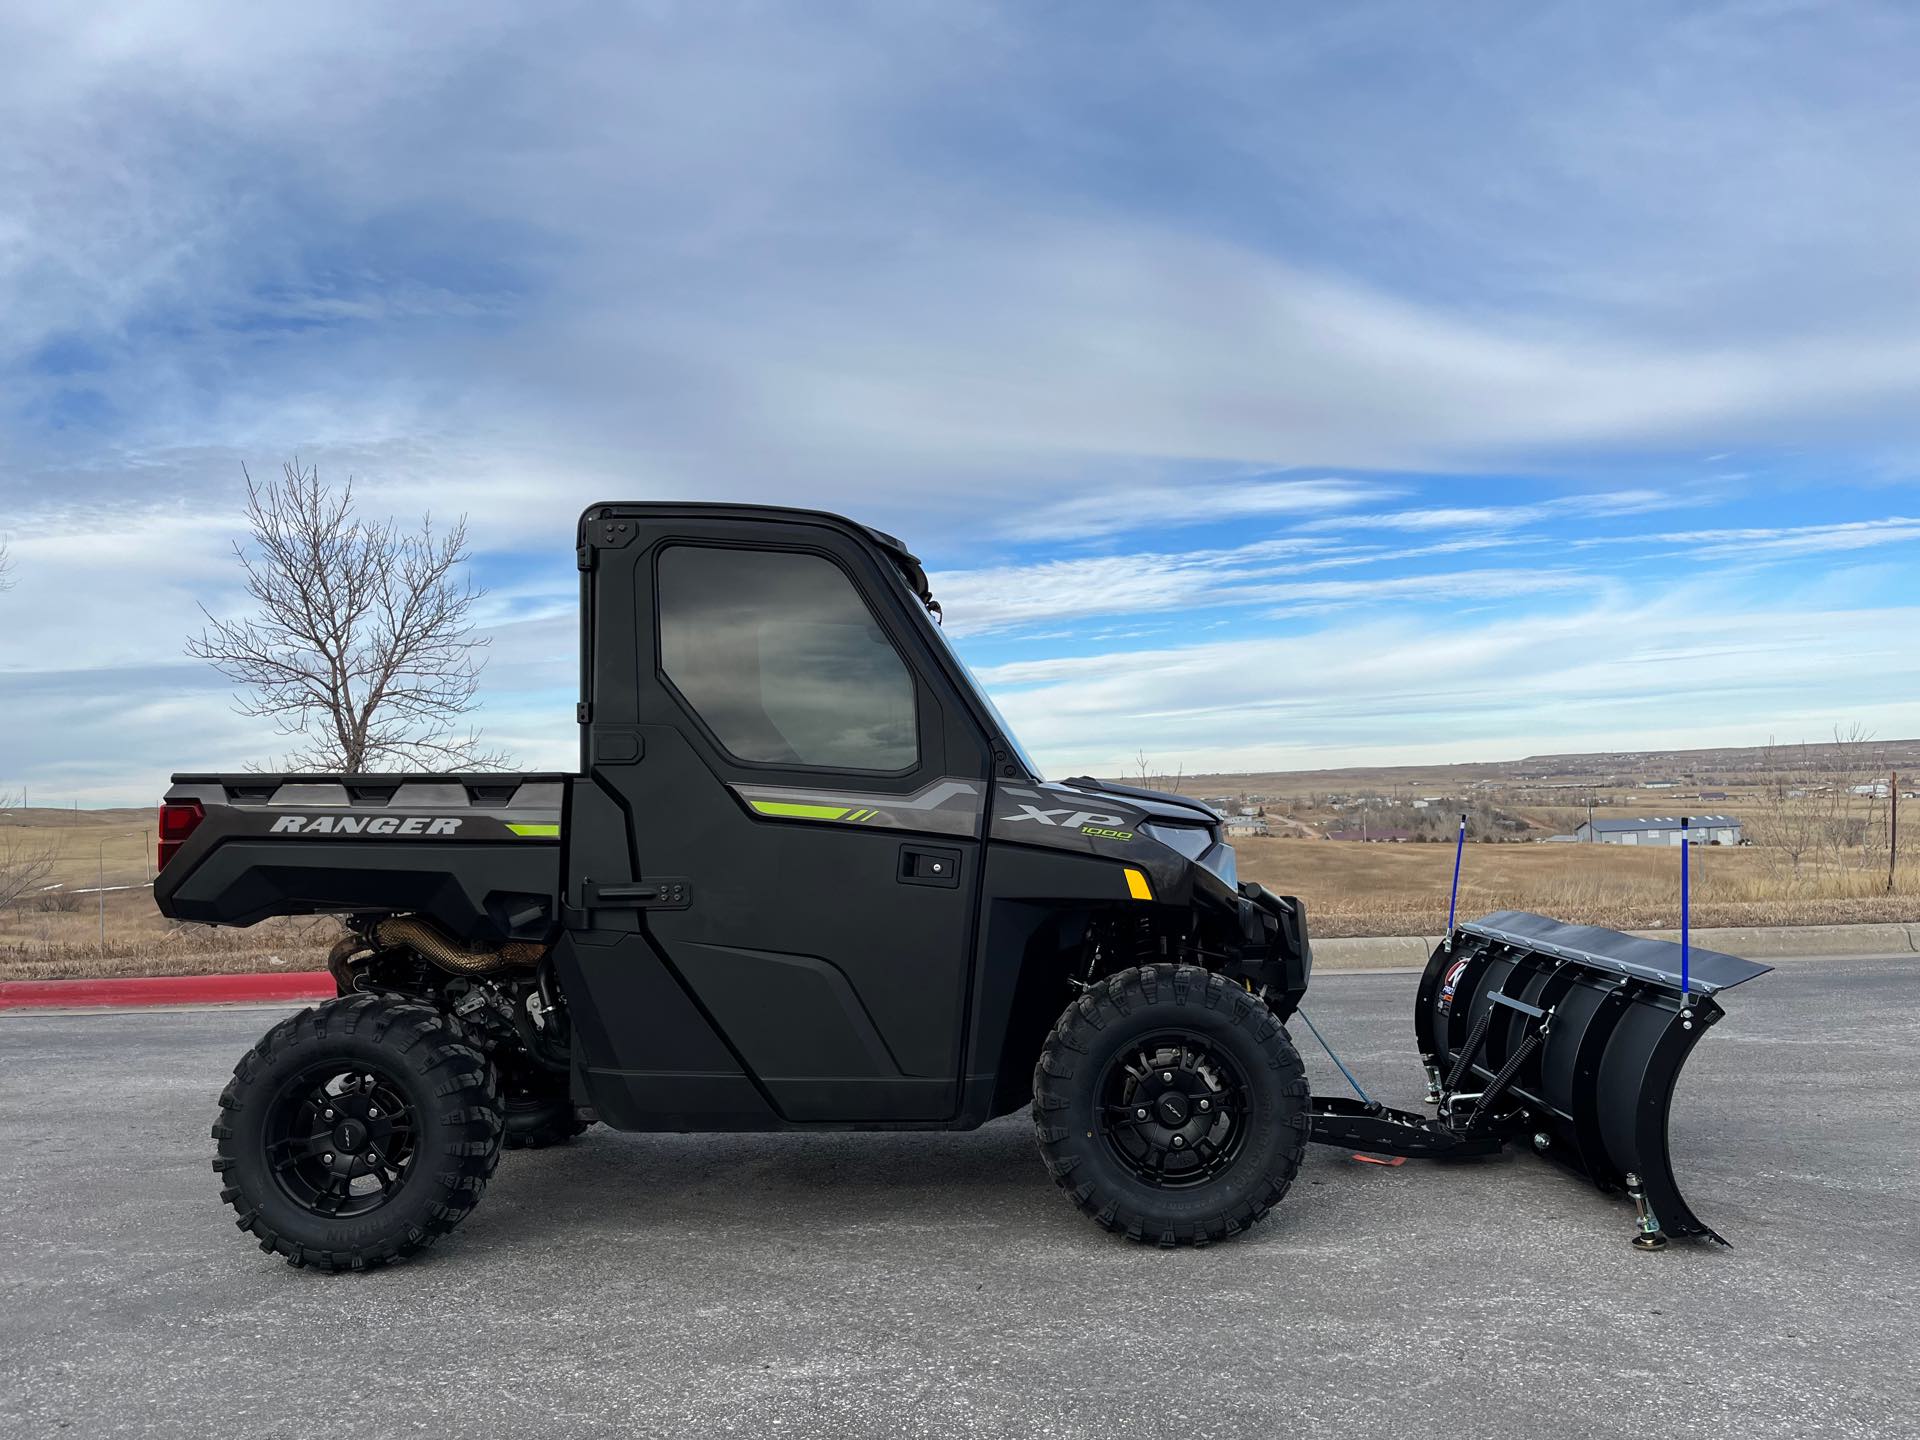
1191, 841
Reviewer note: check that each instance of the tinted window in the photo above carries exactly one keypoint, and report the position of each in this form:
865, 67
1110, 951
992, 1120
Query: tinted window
781, 658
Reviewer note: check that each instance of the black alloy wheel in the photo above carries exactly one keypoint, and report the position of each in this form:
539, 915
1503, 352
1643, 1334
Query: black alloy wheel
340, 1138
1174, 1110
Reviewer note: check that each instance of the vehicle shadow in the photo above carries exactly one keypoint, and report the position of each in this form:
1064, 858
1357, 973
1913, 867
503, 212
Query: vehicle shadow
772, 1182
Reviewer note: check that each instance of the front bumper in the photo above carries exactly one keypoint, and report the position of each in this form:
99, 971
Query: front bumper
1276, 952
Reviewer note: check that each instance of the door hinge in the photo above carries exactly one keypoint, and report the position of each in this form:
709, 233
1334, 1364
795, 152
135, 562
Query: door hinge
582, 713
583, 557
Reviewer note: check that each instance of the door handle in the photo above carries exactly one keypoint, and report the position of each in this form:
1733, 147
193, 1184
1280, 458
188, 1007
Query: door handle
930, 865
661, 894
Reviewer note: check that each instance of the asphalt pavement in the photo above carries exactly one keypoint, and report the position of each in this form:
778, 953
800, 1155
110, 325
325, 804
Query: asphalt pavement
930, 1284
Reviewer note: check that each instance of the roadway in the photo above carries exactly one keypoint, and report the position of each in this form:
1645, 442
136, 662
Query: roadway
931, 1284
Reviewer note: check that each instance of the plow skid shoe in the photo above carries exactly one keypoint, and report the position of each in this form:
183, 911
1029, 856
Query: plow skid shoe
1570, 1038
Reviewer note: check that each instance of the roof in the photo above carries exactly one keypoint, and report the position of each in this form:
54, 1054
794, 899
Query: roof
1661, 822
908, 562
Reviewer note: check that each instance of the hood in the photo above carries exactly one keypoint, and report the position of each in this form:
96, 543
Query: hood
1157, 804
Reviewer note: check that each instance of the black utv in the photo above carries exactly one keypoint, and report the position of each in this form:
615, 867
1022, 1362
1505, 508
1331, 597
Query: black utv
806, 878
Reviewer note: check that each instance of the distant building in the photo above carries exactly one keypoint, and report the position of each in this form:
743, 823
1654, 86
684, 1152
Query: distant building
1711, 795
1247, 825
1661, 830
1394, 837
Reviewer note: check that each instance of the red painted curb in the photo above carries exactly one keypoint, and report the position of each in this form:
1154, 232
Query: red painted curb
167, 990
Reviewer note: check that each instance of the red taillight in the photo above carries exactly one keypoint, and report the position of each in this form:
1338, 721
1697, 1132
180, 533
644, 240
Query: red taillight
177, 821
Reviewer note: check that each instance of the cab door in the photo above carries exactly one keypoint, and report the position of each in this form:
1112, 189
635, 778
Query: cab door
805, 796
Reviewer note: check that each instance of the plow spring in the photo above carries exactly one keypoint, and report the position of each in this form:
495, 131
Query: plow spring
1567, 1037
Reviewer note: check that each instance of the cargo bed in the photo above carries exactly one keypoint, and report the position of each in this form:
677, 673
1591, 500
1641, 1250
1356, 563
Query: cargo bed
479, 853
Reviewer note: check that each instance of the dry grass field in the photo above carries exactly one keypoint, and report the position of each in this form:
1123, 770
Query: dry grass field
1357, 889
65, 926
1350, 889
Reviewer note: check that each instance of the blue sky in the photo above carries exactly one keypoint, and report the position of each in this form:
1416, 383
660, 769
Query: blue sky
1265, 386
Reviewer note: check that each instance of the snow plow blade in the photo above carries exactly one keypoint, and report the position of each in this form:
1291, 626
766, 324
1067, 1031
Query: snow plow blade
1570, 1038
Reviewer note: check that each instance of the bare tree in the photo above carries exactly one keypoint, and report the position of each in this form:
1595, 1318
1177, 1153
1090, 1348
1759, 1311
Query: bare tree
1150, 778
6, 566
363, 643
1824, 810
23, 867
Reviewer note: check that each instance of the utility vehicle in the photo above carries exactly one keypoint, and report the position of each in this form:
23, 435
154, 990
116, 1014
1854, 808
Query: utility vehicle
806, 878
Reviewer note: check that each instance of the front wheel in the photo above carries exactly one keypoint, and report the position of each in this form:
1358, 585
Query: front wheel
1171, 1105
357, 1133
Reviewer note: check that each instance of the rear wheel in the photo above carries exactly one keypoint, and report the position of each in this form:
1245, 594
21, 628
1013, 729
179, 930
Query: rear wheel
1171, 1105
357, 1133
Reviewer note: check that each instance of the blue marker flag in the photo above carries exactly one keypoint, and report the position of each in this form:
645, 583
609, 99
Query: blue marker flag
1459, 844
1684, 847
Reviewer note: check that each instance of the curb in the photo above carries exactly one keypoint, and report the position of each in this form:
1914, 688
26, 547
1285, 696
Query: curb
1383, 952
167, 990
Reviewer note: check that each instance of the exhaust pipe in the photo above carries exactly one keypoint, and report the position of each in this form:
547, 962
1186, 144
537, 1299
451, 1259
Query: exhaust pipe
412, 932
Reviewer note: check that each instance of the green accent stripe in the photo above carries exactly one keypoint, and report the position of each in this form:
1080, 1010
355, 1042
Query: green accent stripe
536, 832
790, 811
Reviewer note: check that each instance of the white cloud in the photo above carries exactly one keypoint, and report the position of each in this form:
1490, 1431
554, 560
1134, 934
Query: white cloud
1613, 675
1003, 597
1784, 541
1197, 501
1767, 543
1508, 517
916, 265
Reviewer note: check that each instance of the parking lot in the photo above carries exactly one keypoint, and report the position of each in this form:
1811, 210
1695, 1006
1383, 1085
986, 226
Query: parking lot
934, 1284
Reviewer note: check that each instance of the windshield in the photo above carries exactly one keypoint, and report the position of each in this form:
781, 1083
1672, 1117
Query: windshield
979, 690
972, 682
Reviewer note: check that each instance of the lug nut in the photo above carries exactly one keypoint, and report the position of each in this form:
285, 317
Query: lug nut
1140, 1114
1167, 1076
327, 1158
373, 1112
372, 1159
329, 1114
1179, 1141
1206, 1104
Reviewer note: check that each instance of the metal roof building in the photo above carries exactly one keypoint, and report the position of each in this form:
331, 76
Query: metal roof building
1662, 830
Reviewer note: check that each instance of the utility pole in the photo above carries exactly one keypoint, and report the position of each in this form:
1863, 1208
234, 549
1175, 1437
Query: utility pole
101, 894
1893, 825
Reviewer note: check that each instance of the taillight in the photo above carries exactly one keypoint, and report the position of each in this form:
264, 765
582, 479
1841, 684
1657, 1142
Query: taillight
177, 821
